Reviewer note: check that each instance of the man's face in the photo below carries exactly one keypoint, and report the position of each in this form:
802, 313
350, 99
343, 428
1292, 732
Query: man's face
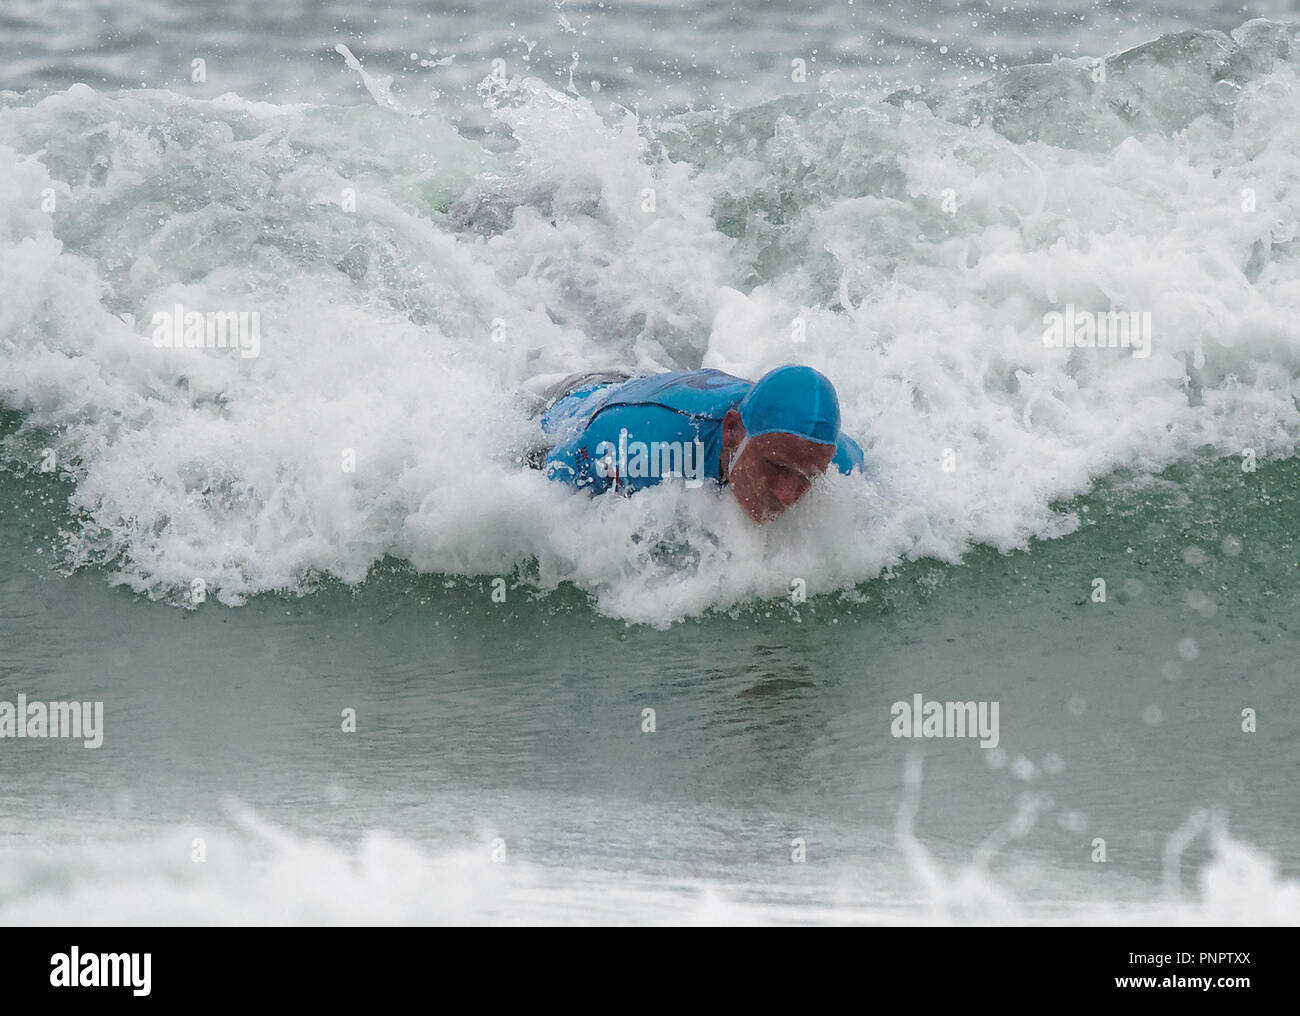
773, 471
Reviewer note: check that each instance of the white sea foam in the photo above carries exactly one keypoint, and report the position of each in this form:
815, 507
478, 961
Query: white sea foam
256, 873
378, 324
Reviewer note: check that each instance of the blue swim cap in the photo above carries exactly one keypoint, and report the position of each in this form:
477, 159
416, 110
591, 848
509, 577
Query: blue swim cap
792, 400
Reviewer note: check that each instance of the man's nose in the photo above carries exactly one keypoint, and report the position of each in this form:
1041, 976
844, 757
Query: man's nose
788, 489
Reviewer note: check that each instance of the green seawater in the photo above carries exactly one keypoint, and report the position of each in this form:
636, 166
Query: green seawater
526, 720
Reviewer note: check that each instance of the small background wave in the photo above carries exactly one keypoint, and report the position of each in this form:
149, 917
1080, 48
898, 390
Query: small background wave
651, 55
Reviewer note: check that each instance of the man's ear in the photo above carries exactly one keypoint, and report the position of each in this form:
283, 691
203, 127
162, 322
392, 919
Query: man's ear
733, 428
733, 435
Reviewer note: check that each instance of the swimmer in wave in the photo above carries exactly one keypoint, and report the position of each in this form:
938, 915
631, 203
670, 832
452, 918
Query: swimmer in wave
767, 441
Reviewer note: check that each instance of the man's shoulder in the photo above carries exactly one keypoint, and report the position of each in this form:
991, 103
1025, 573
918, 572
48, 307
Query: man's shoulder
849, 457
705, 393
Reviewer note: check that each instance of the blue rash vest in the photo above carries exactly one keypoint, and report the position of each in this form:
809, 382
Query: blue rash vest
634, 434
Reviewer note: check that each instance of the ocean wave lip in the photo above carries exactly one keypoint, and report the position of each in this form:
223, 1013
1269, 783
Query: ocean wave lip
408, 281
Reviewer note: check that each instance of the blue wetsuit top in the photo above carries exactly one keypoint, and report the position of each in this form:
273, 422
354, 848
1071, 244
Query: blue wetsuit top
632, 435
